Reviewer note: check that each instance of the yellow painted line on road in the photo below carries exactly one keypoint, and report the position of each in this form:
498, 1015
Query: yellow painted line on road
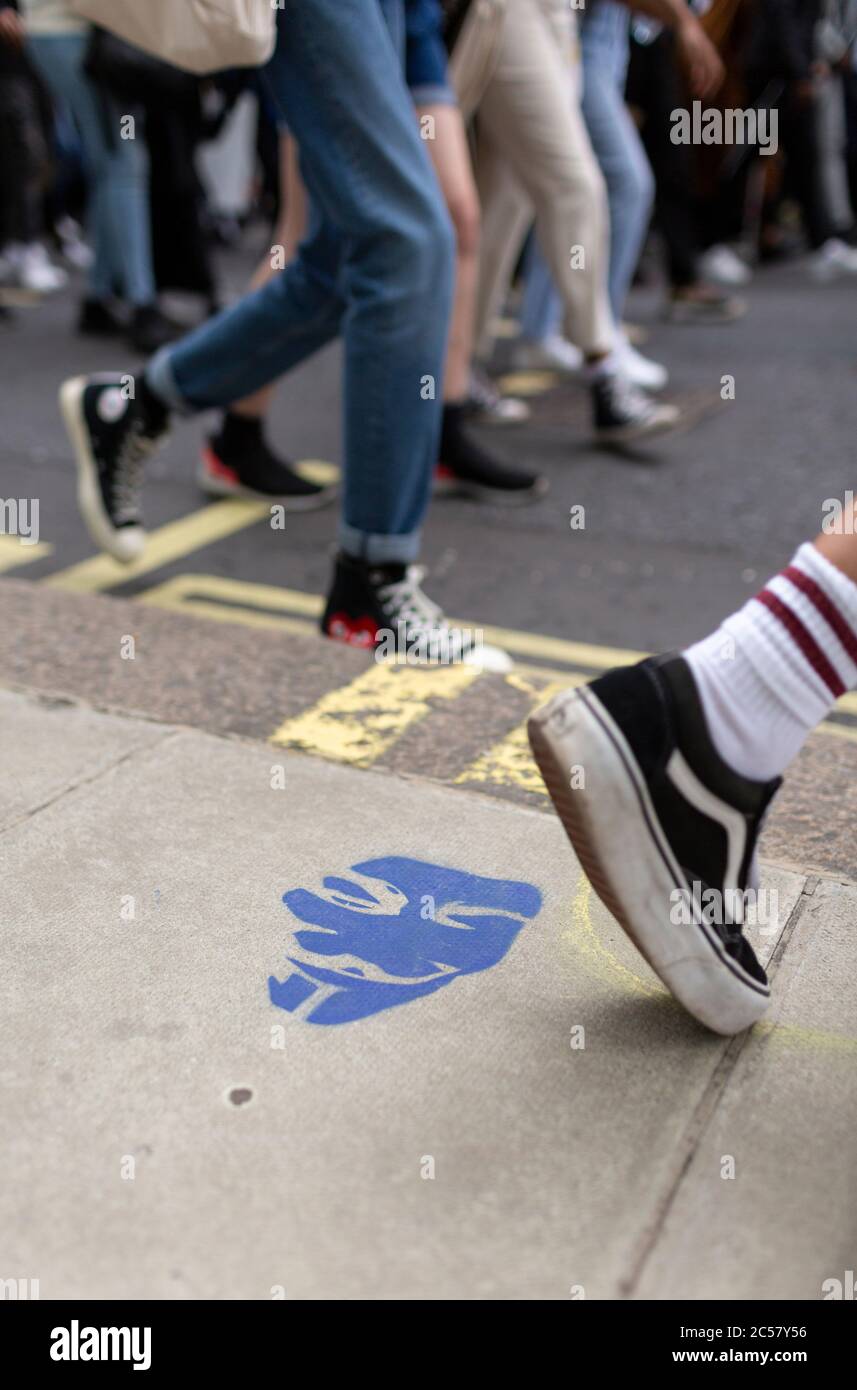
319, 471
509, 763
838, 730
528, 383
170, 542
235, 601
246, 596
572, 654
232, 600
239, 601
358, 722
13, 552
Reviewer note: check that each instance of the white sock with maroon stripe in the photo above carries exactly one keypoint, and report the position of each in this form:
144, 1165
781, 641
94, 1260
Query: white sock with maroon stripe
773, 670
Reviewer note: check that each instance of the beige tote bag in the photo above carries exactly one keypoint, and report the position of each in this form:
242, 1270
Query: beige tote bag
196, 35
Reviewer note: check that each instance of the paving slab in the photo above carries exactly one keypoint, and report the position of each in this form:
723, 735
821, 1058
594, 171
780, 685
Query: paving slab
39, 758
375, 1090
785, 1225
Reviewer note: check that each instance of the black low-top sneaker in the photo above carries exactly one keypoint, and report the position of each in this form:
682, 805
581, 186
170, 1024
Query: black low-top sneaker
624, 413
665, 831
466, 469
252, 469
98, 319
149, 329
112, 436
383, 608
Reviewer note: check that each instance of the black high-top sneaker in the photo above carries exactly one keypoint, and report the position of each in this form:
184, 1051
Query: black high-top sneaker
383, 608
624, 413
665, 831
112, 436
238, 462
466, 469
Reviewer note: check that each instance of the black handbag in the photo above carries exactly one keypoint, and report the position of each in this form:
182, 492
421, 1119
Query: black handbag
135, 77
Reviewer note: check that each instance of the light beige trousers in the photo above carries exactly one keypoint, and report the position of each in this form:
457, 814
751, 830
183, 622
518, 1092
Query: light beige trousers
516, 67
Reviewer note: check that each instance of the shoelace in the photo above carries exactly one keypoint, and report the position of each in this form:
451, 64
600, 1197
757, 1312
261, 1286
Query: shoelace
483, 392
405, 603
628, 399
127, 482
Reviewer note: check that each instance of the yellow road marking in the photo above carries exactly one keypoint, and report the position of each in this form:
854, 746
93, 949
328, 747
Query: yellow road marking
528, 383
233, 600
168, 543
839, 730
573, 654
509, 763
13, 552
179, 590
211, 596
358, 722
318, 471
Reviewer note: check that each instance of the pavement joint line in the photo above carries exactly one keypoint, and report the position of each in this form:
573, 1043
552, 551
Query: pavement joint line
71, 787
709, 1101
686, 1150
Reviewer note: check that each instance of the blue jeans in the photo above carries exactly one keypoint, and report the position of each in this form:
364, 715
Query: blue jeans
622, 159
117, 172
377, 265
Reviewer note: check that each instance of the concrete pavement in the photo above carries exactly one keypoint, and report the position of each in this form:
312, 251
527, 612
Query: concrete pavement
442, 1074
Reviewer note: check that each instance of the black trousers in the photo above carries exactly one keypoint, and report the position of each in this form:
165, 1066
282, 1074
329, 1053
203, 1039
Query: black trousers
799, 142
655, 87
23, 158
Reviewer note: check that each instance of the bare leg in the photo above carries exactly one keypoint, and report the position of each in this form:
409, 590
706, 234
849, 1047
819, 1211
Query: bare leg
288, 234
451, 159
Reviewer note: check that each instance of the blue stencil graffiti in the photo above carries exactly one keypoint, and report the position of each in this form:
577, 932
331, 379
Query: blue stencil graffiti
394, 930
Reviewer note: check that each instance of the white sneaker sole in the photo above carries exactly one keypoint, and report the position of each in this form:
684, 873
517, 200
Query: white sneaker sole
125, 543
624, 853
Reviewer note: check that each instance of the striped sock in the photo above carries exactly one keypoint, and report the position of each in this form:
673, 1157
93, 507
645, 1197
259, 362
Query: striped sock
774, 669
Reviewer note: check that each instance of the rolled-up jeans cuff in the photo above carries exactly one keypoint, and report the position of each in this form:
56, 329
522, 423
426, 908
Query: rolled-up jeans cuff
160, 379
380, 549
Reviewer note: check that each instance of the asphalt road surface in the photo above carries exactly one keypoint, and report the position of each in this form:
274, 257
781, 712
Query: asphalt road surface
675, 536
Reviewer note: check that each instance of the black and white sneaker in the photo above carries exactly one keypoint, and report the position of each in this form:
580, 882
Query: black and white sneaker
665, 831
488, 405
624, 413
383, 608
112, 435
